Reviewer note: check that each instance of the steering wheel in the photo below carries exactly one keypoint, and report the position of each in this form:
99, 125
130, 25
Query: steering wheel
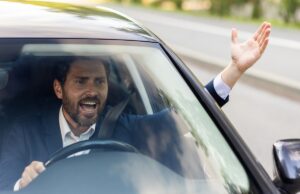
106, 144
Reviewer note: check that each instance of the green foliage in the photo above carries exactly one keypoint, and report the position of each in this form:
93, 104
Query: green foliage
239, 2
289, 8
136, 1
257, 10
178, 3
221, 8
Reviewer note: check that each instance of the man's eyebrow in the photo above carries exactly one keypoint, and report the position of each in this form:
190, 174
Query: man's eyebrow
87, 77
81, 77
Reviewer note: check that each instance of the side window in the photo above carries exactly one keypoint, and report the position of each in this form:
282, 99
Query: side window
122, 86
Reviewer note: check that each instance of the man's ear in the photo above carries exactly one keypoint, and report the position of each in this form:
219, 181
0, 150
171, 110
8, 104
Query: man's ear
57, 89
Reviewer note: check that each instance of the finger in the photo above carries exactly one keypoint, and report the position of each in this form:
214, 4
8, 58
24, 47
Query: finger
266, 35
25, 180
23, 183
267, 27
264, 46
234, 35
39, 167
260, 35
259, 30
30, 172
36, 163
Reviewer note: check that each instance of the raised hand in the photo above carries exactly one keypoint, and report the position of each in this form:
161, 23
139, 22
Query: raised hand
245, 54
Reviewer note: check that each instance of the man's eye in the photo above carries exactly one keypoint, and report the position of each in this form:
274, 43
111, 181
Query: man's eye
100, 81
79, 81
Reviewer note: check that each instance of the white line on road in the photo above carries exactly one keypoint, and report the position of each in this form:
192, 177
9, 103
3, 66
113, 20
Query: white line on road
225, 32
211, 29
261, 75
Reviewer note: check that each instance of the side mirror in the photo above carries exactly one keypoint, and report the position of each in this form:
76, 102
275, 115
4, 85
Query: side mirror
286, 155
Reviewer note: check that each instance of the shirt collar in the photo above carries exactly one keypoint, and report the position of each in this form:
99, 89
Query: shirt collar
65, 128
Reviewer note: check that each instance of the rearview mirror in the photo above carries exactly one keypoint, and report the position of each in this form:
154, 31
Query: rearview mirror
287, 165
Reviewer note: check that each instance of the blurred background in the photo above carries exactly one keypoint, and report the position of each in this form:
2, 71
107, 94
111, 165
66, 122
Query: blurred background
278, 11
265, 105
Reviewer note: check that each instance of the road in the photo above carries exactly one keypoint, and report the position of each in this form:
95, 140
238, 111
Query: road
261, 113
211, 39
260, 117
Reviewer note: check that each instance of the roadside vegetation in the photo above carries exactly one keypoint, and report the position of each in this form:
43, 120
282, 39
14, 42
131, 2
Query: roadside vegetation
284, 13
281, 13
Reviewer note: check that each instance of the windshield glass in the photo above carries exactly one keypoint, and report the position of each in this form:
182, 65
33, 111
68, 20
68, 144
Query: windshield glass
158, 138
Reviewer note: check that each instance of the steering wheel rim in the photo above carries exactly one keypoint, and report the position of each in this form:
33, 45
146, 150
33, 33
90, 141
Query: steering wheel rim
90, 144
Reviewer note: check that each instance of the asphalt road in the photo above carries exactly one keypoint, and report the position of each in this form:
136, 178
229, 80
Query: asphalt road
261, 113
211, 39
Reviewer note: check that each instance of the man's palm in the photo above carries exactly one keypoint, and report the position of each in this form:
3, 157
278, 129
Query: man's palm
245, 54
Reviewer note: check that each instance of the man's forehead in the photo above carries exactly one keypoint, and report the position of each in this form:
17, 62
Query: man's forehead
83, 66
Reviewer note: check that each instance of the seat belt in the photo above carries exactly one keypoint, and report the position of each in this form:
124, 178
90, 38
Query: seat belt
110, 120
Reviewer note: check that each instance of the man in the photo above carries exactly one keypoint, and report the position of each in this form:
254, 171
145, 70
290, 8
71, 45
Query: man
82, 88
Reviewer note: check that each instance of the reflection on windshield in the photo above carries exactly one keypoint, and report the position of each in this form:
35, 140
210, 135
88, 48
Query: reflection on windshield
60, 94
89, 17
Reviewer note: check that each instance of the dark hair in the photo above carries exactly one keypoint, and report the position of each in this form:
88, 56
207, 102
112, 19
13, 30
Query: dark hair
62, 66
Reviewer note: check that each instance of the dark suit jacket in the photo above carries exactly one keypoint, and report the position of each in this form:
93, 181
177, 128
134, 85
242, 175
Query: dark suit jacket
36, 136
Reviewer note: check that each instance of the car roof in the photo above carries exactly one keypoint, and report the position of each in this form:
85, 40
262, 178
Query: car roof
36, 19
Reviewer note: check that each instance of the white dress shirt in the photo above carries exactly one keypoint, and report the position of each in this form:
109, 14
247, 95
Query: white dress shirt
221, 87
68, 136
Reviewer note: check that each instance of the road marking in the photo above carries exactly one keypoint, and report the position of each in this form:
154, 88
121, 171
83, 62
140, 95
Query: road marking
219, 31
211, 29
261, 75
284, 82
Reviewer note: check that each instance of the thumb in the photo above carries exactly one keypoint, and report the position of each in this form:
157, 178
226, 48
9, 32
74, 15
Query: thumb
234, 35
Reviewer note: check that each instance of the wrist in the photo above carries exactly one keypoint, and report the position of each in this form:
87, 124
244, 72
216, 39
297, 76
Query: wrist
231, 74
235, 68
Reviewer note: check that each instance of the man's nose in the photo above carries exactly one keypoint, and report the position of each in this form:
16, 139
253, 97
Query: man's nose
91, 89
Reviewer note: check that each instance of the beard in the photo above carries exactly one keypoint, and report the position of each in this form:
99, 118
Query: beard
72, 108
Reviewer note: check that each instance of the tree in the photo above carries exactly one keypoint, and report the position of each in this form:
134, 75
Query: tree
257, 10
221, 7
289, 8
178, 3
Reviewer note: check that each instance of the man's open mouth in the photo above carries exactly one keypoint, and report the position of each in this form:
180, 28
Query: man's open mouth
88, 106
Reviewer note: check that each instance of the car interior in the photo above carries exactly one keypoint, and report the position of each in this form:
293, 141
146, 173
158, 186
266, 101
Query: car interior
169, 149
27, 85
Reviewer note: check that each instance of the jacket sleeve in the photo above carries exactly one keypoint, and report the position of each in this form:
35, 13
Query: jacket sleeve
210, 88
12, 159
161, 136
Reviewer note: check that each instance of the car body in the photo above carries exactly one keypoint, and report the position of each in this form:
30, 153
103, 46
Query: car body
34, 35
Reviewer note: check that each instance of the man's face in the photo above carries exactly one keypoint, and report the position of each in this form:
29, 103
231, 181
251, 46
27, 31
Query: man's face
84, 92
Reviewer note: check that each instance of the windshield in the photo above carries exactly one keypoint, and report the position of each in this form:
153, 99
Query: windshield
123, 94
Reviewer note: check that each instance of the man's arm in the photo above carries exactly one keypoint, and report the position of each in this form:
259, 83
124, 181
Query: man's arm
243, 55
13, 158
16, 169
